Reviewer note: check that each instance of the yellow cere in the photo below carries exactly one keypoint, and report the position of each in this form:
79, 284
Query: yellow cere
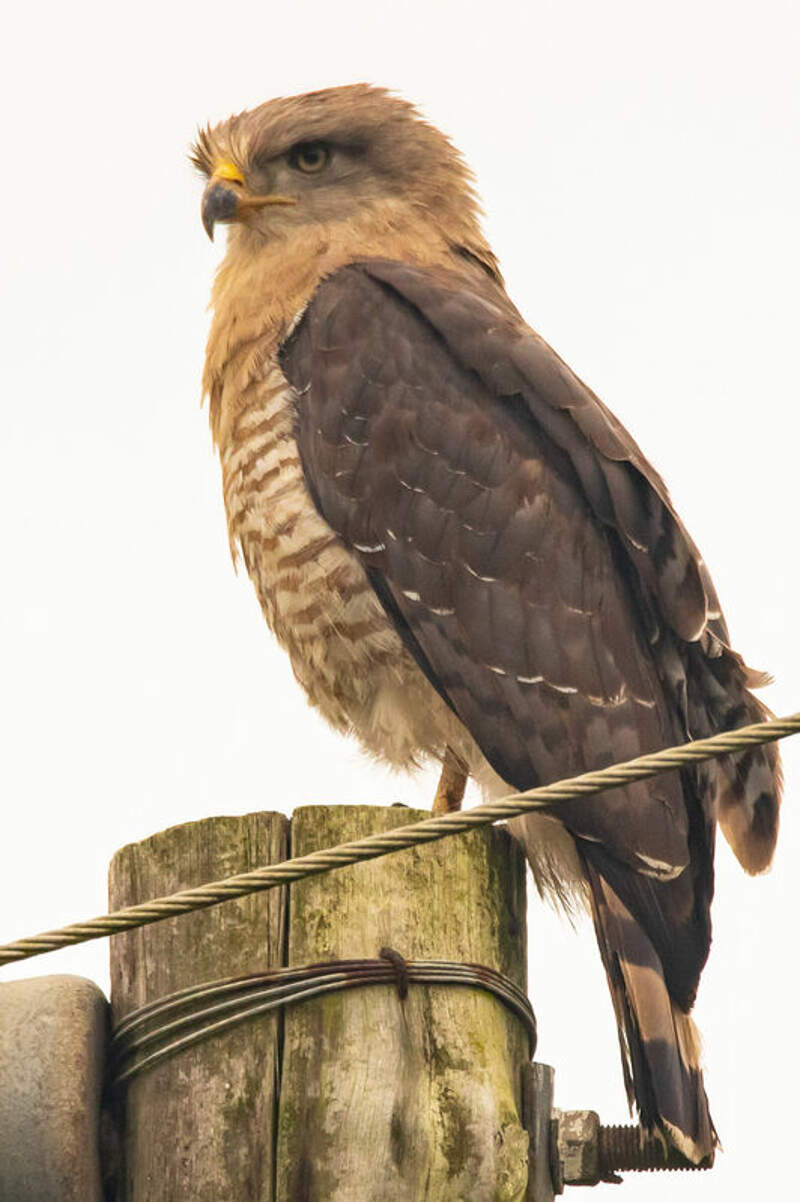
228, 170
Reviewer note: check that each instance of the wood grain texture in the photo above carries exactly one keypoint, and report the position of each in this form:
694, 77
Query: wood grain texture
415, 1099
200, 1126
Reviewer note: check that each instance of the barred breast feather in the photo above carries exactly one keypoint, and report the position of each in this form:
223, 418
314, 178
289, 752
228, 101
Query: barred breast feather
316, 596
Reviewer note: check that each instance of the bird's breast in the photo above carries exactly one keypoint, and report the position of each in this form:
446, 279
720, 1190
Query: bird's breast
317, 599
313, 591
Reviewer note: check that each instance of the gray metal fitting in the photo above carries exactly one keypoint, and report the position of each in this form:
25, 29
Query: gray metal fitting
590, 1153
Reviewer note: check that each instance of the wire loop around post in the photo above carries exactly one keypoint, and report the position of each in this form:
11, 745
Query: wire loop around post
161, 1029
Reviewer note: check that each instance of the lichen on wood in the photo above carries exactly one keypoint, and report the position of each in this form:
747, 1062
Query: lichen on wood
390, 1099
201, 1125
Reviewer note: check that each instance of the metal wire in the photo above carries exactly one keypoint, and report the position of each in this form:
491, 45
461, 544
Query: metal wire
153, 1033
428, 831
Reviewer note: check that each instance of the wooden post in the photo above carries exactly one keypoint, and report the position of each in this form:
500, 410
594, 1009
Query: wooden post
371, 1096
390, 1100
201, 1125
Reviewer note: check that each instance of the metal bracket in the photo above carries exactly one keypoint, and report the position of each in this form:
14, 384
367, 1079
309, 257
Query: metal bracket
572, 1147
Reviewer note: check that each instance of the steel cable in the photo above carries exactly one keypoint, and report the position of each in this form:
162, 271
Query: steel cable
427, 831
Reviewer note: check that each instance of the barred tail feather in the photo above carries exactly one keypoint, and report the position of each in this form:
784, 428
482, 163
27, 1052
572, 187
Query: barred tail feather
749, 789
659, 1042
747, 786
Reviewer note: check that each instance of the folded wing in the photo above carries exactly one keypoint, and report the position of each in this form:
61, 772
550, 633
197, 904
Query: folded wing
532, 560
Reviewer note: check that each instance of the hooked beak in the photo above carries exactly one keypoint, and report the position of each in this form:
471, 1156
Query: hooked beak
226, 199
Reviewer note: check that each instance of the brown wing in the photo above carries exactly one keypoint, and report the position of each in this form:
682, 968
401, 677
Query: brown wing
532, 561
527, 548
668, 583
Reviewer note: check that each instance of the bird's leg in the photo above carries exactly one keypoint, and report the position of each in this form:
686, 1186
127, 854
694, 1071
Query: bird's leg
452, 783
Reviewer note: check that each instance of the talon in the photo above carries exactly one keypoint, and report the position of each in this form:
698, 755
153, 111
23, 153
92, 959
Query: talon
452, 783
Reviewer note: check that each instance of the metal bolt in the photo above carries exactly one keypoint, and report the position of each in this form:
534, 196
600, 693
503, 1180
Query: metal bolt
627, 1148
590, 1153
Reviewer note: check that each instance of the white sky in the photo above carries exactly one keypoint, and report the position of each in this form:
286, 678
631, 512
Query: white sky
640, 175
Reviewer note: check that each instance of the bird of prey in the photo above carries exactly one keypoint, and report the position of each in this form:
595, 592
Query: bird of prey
465, 554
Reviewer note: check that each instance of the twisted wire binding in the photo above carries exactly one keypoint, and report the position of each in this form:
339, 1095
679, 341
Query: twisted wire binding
428, 831
155, 1032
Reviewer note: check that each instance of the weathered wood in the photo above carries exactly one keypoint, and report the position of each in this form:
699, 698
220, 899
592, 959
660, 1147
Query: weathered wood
390, 1100
200, 1126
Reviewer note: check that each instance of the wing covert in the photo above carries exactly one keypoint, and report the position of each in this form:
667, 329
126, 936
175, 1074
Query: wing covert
472, 518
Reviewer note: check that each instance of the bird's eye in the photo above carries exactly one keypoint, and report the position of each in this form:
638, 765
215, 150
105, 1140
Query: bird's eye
310, 157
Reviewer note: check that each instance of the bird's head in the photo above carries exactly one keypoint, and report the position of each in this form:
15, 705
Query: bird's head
352, 167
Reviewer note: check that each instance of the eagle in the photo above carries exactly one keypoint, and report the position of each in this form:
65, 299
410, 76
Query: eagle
465, 554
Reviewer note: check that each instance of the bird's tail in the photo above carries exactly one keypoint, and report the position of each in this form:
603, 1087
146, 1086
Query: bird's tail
746, 786
659, 1041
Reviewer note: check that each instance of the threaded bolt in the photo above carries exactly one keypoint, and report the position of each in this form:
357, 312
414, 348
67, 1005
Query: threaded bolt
628, 1148
589, 1153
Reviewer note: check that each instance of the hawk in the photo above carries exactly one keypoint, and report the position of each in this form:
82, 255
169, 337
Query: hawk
465, 554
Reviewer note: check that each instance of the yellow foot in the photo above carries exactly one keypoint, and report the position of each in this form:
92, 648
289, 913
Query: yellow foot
452, 784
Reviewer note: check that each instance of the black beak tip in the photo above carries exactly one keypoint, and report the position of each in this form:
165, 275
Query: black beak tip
219, 204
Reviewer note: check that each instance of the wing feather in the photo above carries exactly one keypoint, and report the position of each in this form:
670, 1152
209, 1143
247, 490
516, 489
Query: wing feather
500, 566
533, 563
